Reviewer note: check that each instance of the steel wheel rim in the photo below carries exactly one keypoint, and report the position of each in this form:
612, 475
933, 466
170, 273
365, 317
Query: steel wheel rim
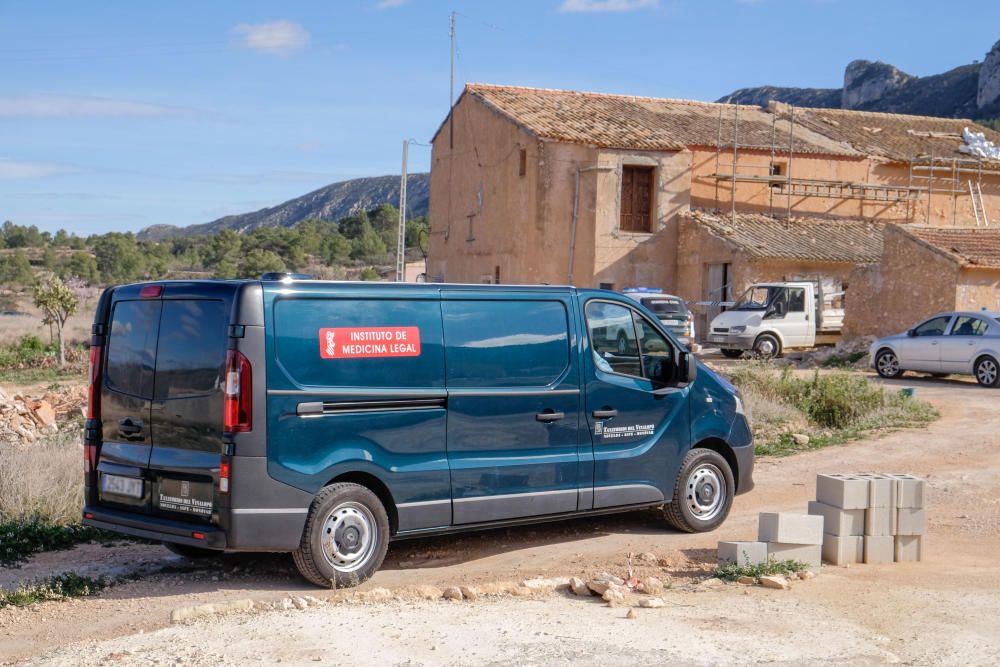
350, 536
888, 364
765, 348
706, 492
986, 373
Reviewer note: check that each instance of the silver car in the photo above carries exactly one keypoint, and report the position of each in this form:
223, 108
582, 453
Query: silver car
967, 343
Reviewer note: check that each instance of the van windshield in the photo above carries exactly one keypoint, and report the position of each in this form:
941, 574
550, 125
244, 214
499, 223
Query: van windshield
758, 297
665, 306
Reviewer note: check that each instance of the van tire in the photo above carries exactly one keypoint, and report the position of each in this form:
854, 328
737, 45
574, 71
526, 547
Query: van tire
191, 552
767, 346
706, 467
731, 354
362, 508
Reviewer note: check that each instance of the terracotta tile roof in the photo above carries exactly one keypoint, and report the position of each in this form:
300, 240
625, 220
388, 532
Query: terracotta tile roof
896, 137
969, 246
804, 238
641, 123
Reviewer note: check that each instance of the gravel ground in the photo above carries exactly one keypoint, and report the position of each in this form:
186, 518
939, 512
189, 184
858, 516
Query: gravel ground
940, 611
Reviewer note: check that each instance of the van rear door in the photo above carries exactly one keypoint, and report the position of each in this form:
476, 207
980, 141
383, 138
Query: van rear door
186, 413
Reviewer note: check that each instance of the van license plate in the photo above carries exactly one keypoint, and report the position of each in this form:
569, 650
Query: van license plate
121, 486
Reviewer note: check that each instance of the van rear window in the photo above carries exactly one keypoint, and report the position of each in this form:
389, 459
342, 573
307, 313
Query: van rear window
505, 343
191, 353
132, 347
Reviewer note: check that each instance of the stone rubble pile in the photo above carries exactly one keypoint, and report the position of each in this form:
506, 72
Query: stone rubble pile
23, 419
844, 349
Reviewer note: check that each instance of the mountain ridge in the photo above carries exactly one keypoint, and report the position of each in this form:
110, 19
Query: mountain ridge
331, 202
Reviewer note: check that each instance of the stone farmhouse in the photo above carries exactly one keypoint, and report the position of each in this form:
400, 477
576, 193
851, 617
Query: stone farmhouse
701, 199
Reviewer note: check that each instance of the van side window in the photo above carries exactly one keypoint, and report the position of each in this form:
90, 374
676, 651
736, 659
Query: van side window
796, 300
612, 338
192, 349
656, 353
493, 343
132, 347
297, 326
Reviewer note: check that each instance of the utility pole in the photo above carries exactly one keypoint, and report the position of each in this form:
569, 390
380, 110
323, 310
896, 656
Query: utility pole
451, 84
401, 241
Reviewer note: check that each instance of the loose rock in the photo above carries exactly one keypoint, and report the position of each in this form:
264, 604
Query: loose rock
631, 614
429, 592
579, 586
652, 603
747, 581
452, 593
469, 593
777, 582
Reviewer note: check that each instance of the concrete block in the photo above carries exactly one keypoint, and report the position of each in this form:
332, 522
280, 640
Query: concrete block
837, 521
848, 492
742, 553
909, 490
879, 549
881, 490
910, 521
790, 528
908, 548
810, 554
839, 550
879, 521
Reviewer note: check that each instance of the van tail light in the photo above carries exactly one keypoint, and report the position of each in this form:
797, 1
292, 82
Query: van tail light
224, 476
94, 388
239, 394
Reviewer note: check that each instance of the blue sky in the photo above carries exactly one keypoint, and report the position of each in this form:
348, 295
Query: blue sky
118, 115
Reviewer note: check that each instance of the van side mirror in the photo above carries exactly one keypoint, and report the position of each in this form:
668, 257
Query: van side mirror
688, 367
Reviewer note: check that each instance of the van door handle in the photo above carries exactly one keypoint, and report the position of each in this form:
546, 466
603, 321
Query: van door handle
550, 416
129, 426
605, 414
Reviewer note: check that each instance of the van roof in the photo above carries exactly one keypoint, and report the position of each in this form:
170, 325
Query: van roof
364, 284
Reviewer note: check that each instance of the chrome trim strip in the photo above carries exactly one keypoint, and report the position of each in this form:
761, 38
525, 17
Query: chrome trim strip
355, 392
265, 510
505, 496
423, 503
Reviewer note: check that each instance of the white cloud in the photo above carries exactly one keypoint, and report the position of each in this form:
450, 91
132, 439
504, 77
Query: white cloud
278, 38
389, 4
606, 5
41, 106
19, 169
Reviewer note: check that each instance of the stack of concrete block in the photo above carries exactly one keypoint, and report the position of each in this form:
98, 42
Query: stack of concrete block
870, 518
791, 536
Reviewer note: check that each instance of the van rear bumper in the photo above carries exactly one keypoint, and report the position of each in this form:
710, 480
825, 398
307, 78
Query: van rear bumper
154, 528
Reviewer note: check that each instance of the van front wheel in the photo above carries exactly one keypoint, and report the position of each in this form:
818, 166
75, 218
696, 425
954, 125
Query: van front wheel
345, 537
703, 493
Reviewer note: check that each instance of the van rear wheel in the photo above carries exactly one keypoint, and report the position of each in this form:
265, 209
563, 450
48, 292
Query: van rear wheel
703, 493
345, 537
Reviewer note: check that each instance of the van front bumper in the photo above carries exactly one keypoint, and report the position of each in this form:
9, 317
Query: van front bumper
731, 341
155, 528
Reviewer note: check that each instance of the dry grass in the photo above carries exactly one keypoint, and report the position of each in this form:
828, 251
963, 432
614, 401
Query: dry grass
13, 327
42, 481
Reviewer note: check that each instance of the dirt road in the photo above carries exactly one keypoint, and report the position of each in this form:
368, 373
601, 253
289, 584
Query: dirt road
941, 611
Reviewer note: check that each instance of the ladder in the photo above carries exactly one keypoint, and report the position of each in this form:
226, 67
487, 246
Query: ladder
976, 194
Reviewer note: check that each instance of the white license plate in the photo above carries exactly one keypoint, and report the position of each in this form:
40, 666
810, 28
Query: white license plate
717, 339
121, 486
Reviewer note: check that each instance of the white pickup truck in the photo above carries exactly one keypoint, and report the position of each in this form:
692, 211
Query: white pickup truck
772, 317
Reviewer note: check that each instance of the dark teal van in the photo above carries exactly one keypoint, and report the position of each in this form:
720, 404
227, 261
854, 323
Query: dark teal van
327, 418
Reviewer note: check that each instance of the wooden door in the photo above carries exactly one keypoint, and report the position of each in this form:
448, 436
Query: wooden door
637, 194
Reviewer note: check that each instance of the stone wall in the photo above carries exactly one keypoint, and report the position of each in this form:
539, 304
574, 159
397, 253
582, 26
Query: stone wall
913, 282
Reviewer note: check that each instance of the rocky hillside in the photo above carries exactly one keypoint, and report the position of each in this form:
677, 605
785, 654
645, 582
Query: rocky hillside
969, 91
332, 202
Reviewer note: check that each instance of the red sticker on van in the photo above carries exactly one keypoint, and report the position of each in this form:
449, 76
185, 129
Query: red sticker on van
369, 342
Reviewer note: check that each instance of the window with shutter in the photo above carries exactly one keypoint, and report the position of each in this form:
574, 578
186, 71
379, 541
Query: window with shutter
637, 195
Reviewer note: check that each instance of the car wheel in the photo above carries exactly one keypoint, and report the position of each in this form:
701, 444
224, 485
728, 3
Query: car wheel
987, 372
887, 364
732, 354
703, 493
766, 346
190, 552
345, 537
622, 344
